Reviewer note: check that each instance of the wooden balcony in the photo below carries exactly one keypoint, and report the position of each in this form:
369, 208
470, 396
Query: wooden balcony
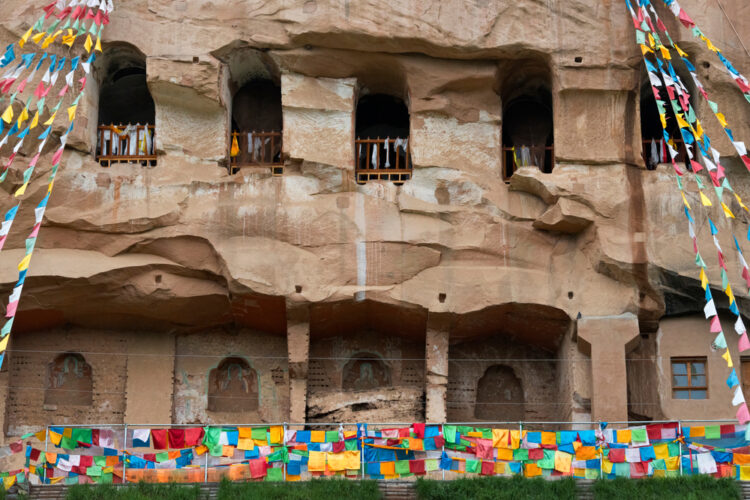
510, 165
126, 144
257, 149
377, 161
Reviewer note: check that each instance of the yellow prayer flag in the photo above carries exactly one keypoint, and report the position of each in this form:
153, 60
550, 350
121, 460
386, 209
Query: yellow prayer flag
88, 43
23, 116
317, 436
98, 46
710, 45
563, 461
727, 213
704, 199
673, 463
317, 461
22, 190
728, 358
69, 39
51, 119
8, 114
24, 264
665, 53
704, 282
744, 473
680, 51
50, 39
9, 481
500, 438
55, 438
41, 435
4, 343
684, 200
739, 200
651, 41
663, 119
607, 466
730, 294
661, 451
336, 462
505, 454
25, 37
72, 112
34, 121
645, 50
623, 436
549, 438
681, 121
722, 119
38, 37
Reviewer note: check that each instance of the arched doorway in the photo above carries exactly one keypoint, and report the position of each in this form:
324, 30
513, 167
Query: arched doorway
233, 386
500, 396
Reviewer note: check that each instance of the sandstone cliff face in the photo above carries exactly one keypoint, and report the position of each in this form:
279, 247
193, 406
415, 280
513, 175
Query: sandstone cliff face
185, 247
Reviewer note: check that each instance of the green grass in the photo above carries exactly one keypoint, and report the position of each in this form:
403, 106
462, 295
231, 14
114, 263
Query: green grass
679, 488
317, 489
492, 488
142, 491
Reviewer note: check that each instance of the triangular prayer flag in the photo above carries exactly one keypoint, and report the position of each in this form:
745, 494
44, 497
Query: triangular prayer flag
7, 116
715, 325
743, 416
733, 380
728, 358
720, 342
704, 200
88, 43
738, 398
744, 343
727, 213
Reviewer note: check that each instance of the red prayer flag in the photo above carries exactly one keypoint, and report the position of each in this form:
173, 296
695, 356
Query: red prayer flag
159, 439
685, 19
419, 430
616, 455
149, 457
338, 446
488, 468
95, 437
86, 461
404, 433
193, 437
439, 441
258, 468
177, 438
536, 454
416, 466
654, 431
34, 455
746, 160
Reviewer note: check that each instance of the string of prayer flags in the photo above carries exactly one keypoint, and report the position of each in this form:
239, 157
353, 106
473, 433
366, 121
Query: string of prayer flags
690, 130
735, 75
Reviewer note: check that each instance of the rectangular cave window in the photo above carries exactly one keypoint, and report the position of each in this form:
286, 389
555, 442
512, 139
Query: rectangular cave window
689, 378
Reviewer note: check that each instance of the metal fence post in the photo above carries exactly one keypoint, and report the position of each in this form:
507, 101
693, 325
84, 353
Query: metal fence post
124, 448
205, 472
442, 450
679, 442
46, 443
520, 440
601, 453
283, 443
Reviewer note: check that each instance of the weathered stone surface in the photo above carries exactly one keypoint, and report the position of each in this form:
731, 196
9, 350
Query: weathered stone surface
187, 251
565, 216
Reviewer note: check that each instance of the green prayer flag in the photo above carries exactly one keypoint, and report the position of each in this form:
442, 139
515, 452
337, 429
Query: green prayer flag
259, 433
714, 106
640, 37
449, 433
674, 449
350, 444
162, 457
68, 443
466, 442
71, 480
659, 464
100, 461
216, 450
724, 279
94, 471
520, 455
465, 430
548, 462
638, 435
332, 436
713, 431
622, 469
211, 436
473, 466
275, 474
431, 464
592, 473
402, 467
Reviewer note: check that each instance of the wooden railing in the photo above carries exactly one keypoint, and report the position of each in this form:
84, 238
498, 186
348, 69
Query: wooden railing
510, 166
125, 144
376, 160
257, 149
664, 158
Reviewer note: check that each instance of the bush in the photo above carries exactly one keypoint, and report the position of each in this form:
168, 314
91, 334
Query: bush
682, 488
492, 488
142, 491
317, 489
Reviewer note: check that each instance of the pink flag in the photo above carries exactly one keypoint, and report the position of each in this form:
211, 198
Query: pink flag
685, 19
715, 325
743, 416
697, 167
35, 231
56, 157
744, 343
747, 161
22, 85
2, 241
12, 306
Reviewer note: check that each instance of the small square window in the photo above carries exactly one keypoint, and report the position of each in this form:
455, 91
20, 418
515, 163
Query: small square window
689, 378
